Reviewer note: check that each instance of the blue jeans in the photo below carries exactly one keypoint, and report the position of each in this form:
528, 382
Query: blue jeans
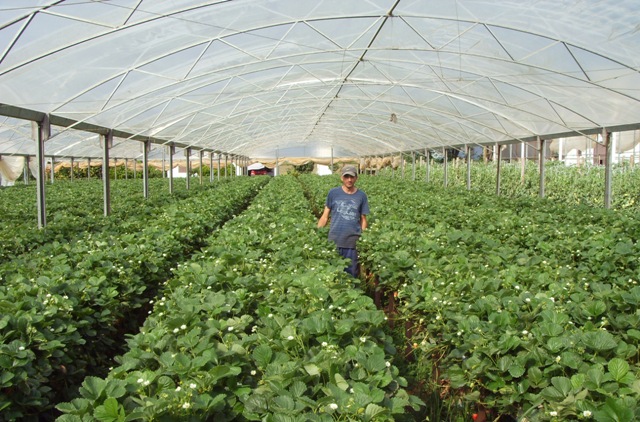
350, 253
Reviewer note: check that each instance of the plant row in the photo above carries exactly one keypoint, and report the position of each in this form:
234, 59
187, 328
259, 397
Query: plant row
66, 306
74, 208
517, 307
263, 324
569, 185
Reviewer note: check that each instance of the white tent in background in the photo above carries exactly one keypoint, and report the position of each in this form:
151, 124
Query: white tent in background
258, 169
323, 170
256, 166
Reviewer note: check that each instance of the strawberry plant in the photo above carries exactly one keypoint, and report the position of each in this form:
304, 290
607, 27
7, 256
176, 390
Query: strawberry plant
258, 327
503, 308
68, 306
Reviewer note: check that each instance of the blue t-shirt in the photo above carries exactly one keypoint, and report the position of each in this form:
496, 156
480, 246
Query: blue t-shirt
346, 210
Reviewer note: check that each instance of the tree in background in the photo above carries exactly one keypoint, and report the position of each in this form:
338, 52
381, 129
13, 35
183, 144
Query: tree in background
305, 168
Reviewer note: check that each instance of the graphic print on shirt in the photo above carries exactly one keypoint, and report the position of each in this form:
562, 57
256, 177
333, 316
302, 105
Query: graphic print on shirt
347, 209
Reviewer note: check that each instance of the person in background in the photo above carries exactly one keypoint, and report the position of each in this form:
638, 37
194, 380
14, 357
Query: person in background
348, 207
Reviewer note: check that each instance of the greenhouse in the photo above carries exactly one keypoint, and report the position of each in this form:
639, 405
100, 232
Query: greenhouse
145, 276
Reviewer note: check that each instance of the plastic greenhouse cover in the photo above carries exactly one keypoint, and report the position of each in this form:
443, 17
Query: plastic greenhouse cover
262, 78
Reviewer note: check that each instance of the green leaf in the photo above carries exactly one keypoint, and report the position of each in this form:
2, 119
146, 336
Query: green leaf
110, 411
116, 388
633, 296
535, 376
577, 381
5, 377
599, 340
316, 324
372, 411
164, 383
376, 362
340, 382
549, 329
559, 391
595, 377
634, 334
222, 371
298, 388
618, 368
92, 388
516, 370
374, 318
77, 406
283, 404
262, 355
343, 326
69, 418
594, 308
563, 384
614, 411
288, 331
312, 369
504, 363
166, 359
556, 344
624, 248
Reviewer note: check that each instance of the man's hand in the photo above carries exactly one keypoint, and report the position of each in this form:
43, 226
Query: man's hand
324, 218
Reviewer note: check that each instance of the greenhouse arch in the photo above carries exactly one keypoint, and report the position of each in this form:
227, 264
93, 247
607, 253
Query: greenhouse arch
251, 81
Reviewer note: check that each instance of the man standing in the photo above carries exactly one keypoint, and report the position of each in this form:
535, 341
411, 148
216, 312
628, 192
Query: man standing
349, 208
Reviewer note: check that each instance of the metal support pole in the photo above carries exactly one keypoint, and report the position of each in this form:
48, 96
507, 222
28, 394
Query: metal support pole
88, 168
201, 168
44, 131
468, 167
413, 158
523, 161
541, 164
219, 165
210, 167
498, 157
164, 167
71, 173
53, 163
25, 170
446, 167
226, 165
606, 137
172, 151
187, 153
107, 143
331, 159
427, 159
145, 168
126, 168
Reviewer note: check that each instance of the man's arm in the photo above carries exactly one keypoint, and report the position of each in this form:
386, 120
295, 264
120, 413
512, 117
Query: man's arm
324, 218
363, 222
